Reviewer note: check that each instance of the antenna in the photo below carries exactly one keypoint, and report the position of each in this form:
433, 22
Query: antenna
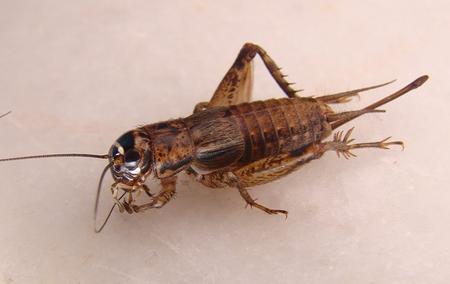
97, 199
5, 114
106, 156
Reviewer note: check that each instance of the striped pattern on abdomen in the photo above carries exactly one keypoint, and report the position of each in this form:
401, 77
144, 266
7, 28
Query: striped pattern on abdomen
278, 125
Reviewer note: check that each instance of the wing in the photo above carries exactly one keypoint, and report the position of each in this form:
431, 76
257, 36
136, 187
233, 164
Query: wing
236, 87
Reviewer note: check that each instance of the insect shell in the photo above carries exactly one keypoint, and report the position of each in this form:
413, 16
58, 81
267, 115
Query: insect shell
232, 141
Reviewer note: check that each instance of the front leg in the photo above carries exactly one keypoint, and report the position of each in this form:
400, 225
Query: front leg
165, 195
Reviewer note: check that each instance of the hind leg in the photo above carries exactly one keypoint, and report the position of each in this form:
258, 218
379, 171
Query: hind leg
236, 87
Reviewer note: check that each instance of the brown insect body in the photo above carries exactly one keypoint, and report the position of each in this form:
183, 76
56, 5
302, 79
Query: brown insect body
231, 137
231, 141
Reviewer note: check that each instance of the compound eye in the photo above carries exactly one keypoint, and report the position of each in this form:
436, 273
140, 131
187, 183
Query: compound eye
132, 158
114, 152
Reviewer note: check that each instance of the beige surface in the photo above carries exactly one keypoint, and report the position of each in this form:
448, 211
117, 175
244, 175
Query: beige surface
76, 74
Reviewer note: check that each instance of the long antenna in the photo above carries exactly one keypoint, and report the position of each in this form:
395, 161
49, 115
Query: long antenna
52, 155
98, 230
64, 155
56, 155
5, 114
97, 199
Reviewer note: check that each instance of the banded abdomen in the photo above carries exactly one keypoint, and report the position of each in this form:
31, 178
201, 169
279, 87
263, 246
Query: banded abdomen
279, 125
240, 134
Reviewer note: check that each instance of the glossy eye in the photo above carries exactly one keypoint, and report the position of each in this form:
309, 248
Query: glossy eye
114, 152
132, 158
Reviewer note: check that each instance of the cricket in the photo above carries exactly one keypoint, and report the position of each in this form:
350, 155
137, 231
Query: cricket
232, 141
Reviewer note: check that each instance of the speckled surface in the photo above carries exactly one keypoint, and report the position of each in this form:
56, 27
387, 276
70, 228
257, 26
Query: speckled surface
77, 74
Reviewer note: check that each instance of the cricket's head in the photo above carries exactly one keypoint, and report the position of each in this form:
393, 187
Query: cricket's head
131, 158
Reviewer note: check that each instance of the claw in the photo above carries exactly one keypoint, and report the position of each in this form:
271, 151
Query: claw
128, 207
348, 154
347, 135
385, 145
276, 211
136, 208
120, 206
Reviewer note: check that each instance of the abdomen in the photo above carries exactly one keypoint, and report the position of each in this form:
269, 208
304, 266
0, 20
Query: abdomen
279, 125
240, 134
